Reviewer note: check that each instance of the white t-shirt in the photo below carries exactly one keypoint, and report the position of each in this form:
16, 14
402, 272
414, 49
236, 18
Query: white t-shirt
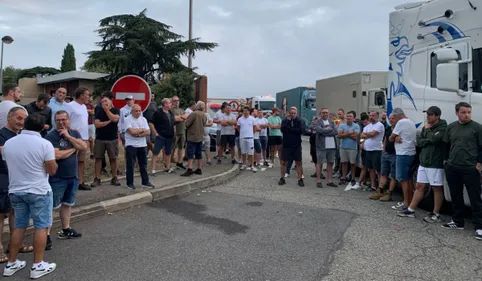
246, 127
264, 131
256, 134
135, 123
5, 107
227, 130
329, 141
188, 111
79, 118
219, 116
407, 131
206, 129
26, 155
375, 143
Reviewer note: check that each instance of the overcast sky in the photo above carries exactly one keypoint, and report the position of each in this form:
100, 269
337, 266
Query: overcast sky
266, 46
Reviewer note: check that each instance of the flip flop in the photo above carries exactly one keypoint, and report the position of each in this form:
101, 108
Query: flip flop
23, 249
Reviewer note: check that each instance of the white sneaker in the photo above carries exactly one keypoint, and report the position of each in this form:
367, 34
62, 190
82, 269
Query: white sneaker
348, 187
254, 169
13, 268
287, 175
357, 186
243, 167
249, 168
44, 269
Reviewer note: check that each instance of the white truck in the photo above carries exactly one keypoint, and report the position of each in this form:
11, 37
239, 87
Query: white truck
362, 91
263, 103
435, 59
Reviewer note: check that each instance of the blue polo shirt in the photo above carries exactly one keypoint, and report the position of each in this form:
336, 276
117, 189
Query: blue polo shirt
348, 143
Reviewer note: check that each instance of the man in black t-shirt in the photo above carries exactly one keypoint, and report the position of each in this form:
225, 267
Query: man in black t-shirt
162, 124
15, 121
388, 166
66, 142
106, 119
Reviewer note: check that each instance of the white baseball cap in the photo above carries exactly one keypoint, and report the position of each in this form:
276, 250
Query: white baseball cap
129, 98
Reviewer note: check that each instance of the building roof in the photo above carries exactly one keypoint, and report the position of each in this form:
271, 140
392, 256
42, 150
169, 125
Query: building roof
69, 76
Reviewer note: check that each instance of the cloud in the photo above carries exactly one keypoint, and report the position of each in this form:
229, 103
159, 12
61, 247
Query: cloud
265, 46
220, 12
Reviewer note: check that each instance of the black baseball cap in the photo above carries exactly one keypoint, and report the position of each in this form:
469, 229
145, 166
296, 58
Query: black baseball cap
433, 110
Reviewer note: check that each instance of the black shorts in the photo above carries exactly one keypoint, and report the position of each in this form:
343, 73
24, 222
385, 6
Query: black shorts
374, 160
291, 153
228, 140
274, 140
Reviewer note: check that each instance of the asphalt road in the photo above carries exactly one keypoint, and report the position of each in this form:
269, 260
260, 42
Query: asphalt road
252, 229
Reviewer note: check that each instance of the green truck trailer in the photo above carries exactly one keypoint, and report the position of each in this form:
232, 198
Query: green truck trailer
303, 98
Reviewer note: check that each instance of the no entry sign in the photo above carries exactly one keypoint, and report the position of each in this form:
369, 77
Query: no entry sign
131, 85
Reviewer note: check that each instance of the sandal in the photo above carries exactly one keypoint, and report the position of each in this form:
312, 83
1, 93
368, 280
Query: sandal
24, 249
3, 257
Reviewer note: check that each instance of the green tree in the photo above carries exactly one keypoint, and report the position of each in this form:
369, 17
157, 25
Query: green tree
68, 59
137, 44
10, 75
176, 84
38, 70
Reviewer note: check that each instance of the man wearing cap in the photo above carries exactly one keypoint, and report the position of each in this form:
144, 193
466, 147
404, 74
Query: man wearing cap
431, 169
124, 113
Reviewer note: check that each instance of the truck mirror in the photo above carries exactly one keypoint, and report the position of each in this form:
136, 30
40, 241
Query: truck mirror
446, 55
448, 77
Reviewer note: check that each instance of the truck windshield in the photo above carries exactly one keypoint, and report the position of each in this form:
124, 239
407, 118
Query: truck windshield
266, 105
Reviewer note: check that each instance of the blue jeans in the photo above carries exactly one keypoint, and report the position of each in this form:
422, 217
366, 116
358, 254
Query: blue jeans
38, 207
403, 167
139, 153
64, 191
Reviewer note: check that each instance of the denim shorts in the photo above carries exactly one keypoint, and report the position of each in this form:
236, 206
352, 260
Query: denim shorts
194, 150
389, 165
162, 142
64, 191
404, 167
257, 146
264, 142
38, 207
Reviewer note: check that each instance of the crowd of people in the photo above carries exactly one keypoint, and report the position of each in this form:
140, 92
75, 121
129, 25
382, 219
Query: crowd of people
44, 145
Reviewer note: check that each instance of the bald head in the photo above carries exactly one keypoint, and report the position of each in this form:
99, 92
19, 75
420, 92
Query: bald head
60, 94
136, 111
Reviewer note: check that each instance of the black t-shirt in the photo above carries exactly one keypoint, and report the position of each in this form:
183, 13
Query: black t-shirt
5, 135
108, 132
163, 122
390, 147
68, 166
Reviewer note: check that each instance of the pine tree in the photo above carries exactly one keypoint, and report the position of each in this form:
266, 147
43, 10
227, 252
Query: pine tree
68, 59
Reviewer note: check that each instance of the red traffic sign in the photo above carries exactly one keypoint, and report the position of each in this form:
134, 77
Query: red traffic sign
131, 85
234, 105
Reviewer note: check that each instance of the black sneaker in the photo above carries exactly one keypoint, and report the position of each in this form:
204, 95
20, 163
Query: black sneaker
104, 171
115, 182
452, 225
130, 186
313, 176
148, 185
301, 183
83, 186
266, 164
95, 183
332, 184
181, 166
406, 214
48, 246
342, 182
69, 233
198, 172
219, 161
187, 173
319, 185
234, 162
282, 181
323, 177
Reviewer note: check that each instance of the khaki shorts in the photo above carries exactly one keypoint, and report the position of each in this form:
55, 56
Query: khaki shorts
101, 146
179, 142
82, 154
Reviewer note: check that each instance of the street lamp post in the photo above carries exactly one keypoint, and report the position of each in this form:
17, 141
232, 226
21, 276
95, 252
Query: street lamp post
5, 40
189, 59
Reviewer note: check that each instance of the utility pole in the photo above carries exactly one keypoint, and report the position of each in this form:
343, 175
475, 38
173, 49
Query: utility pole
189, 61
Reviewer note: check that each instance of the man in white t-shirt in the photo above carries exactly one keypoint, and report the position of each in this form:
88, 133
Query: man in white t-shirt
30, 160
79, 120
124, 113
405, 137
373, 146
218, 117
227, 120
136, 131
263, 135
11, 95
257, 143
246, 127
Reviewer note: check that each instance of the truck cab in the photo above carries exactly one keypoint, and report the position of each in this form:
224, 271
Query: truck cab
263, 103
435, 53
